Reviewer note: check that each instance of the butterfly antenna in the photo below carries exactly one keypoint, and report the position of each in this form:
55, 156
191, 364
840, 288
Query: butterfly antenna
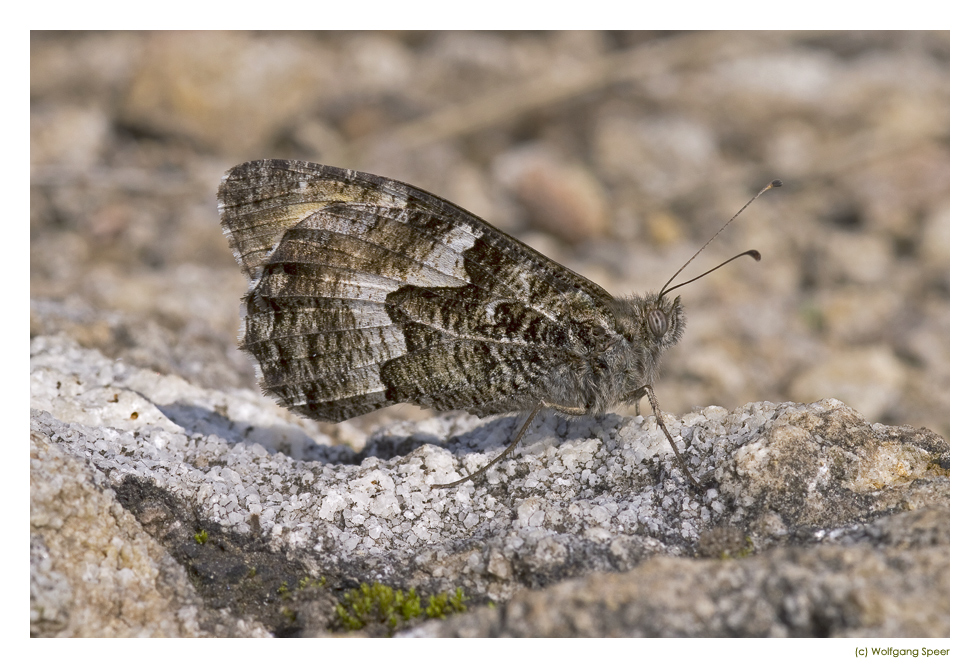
755, 254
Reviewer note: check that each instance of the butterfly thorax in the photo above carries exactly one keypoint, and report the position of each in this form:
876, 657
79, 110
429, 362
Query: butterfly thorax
614, 353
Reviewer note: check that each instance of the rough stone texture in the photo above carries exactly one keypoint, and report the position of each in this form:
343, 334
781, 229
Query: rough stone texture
95, 571
653, 140
813, 489
825, 591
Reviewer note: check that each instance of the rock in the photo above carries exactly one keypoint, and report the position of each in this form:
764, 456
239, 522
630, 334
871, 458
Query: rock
869, 378
818, 591
835, 512
188, 84
561, 197
95, 572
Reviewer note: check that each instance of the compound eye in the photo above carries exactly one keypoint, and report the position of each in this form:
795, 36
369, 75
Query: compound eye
657, 320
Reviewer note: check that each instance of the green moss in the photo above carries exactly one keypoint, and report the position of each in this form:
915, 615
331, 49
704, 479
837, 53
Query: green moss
307, 582
201, 537
441, 604
285, 593
379, 604
747, 550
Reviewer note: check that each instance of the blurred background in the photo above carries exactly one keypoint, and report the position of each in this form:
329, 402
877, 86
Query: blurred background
617, 154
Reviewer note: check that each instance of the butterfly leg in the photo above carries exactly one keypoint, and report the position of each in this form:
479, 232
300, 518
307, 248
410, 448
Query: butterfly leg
635, 396
570, 410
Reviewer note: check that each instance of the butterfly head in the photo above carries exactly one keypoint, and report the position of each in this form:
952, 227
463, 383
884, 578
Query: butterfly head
653, 322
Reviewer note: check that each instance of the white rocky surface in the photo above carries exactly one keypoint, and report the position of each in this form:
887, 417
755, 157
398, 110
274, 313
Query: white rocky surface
578, 495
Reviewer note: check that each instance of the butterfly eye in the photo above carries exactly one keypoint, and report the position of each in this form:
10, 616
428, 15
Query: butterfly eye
657, 321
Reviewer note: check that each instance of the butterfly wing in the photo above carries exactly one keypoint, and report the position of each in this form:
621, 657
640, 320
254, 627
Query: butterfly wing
368, 292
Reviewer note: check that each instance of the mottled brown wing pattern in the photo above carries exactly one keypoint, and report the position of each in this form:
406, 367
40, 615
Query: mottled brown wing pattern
368, 292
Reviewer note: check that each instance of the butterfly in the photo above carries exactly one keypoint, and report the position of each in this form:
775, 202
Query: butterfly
366, 292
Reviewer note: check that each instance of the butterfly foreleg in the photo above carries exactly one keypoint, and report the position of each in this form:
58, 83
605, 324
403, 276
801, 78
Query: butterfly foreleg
638, 394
